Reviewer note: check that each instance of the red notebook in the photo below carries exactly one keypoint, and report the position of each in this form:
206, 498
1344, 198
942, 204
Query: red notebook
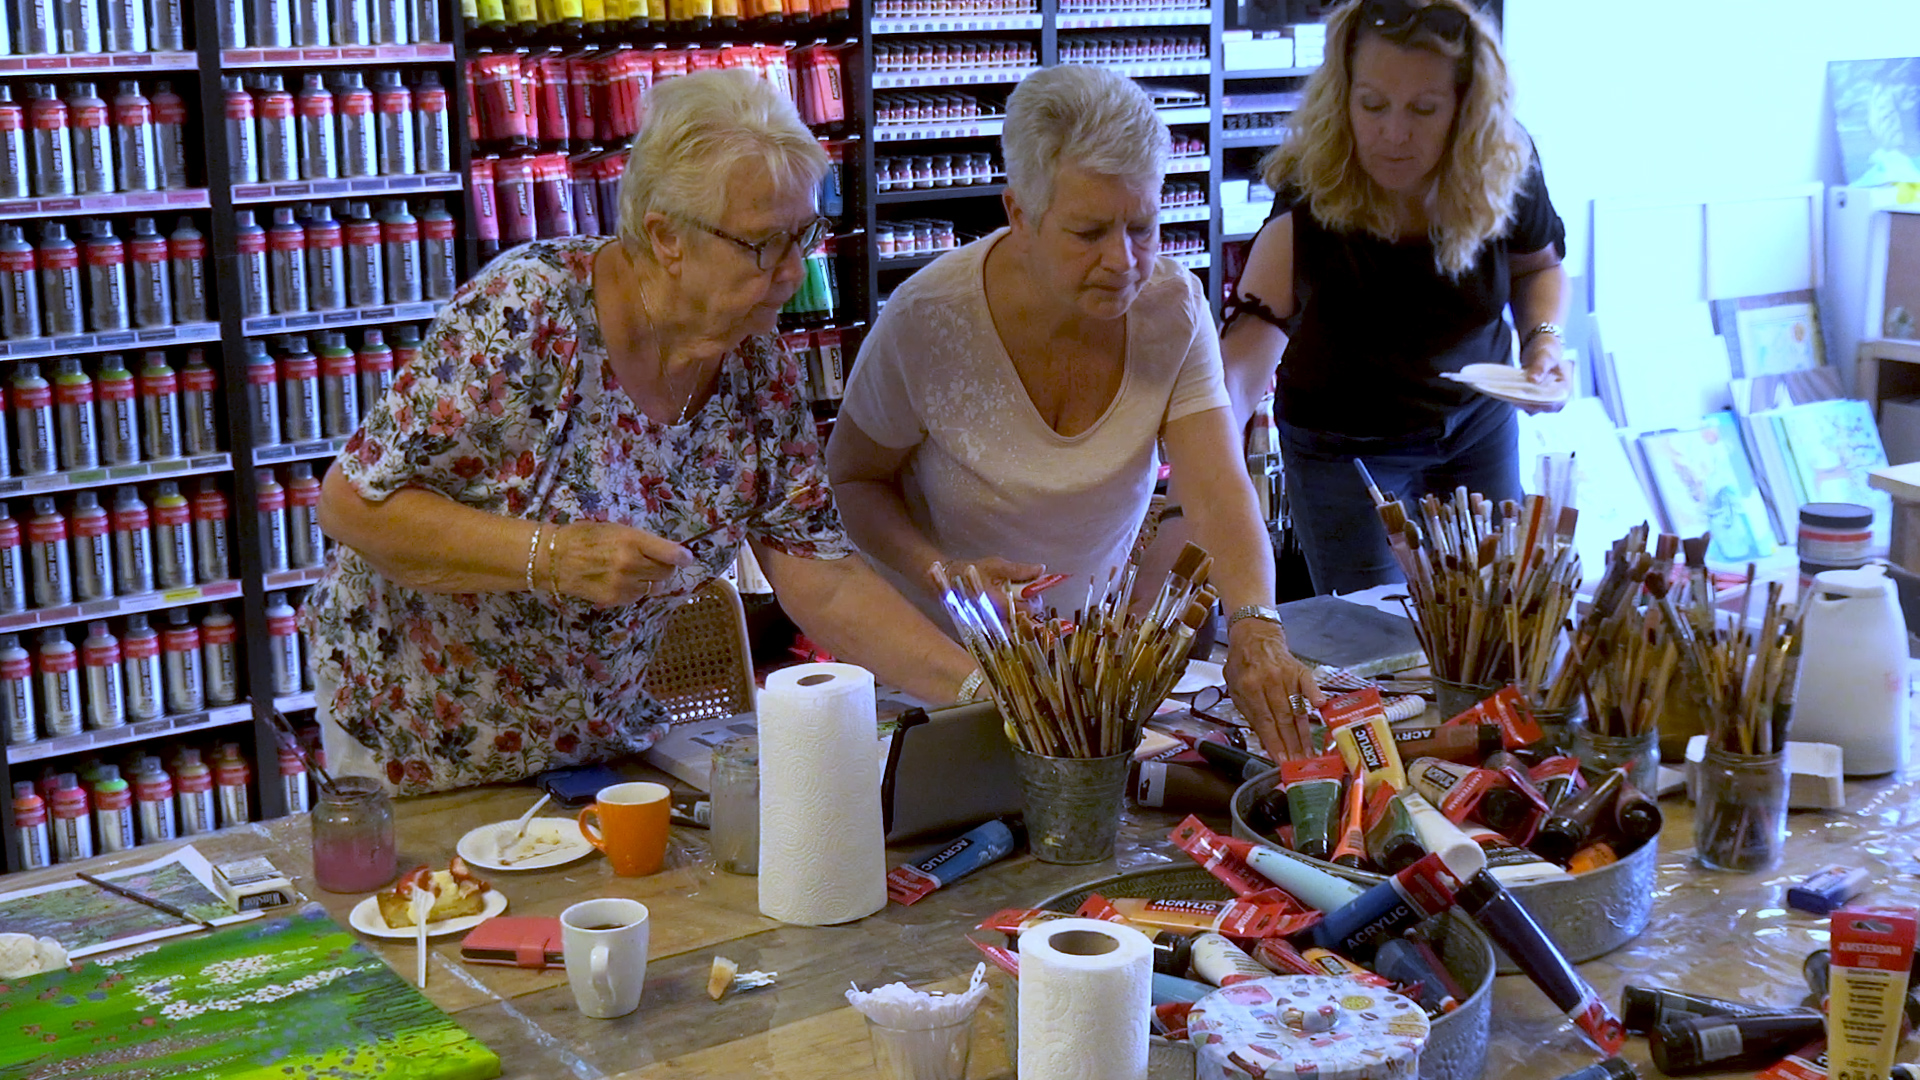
528, 941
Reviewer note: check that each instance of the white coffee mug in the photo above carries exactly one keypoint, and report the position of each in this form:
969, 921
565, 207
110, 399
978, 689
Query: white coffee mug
606, 948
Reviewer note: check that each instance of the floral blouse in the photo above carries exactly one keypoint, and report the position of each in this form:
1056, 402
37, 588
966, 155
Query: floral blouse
512, 409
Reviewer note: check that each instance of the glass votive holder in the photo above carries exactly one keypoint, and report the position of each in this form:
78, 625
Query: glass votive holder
938, 1053
735, 828
1740, 812
1638, 754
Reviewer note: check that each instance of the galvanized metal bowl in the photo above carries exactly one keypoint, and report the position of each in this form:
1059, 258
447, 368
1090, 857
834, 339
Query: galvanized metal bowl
1456, 1049
1589, 914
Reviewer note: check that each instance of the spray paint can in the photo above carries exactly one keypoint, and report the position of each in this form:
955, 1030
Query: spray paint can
140, 666
169, 135
339, 388
393, 120
133, 147
87, 120
59, 668
14, 166
193, 790
19, 291
272, 26
273, 109
400, 237
180, 663
33, 419
100, 655
436, 138
389, 22
187, 263
72, 831
232, 27
117, 433
243, 149
168, 32
366, 281
312, 23
287, 262
132, 547
52, 144
151, 276
270, 500
374, 365
352, 23
159, 408
283, 644
359, 142
30, 837
199, 417
319, 158
425, 18
438, 258
16, 691
263, 394
306, 544
300, 386
250, 247
293, 780
92, 549
73, 415
172, 540
113, 809
153, 801
125, 28
218, 633
59, 260
230, 778
13, 573
326, 262
47, 563
210, 517
106, 256
80, 27
38, 27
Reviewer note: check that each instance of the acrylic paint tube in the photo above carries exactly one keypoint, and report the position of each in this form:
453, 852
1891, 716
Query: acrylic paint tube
1332, 964
150, 276
1592, 857
1236, 918
159, 408
1557, 778
1306, 883
1181, 788
1172, 951
283, 645
140, 660
1520, 803
92, 551
1436, 833
187, 263
1350, 846
1392, 843
1464, 791
1395, 905
16, 692
219, 655
153, 801
31, 842
1511, 863
1872, 958
211, 515
1223, 963
1416, 970
1266, 814
1644, 1008
1512, 927
113, 810
169, 135
984, 845
172, 540
1636, 816
1610, 1069
1358, 726
230, 778
180, 664
1313, 802
250, 248
1572, 822
199, 406
1168, 989
193, 794
1729, 1043
1231, 760
72, 831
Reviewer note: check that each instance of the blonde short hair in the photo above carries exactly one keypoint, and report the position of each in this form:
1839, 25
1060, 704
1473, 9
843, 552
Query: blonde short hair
698, 129
1480, 175
1078, 115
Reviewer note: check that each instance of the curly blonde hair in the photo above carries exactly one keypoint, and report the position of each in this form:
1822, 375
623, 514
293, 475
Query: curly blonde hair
1487, 157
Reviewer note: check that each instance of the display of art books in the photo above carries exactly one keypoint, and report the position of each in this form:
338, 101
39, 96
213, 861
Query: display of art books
1771, 335
1706, 485
87, 919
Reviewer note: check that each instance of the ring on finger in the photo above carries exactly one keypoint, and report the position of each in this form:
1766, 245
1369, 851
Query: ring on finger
1298, 704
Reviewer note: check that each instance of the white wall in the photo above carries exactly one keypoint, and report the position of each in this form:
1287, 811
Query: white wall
1690, 97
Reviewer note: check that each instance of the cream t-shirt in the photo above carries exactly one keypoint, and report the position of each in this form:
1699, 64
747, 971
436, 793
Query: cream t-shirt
987, 475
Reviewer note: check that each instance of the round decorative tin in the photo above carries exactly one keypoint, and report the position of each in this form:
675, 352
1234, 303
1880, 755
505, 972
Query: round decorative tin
1299, 1025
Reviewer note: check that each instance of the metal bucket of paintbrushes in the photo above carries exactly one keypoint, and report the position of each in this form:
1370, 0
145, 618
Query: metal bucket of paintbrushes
1589, 914
1073, 805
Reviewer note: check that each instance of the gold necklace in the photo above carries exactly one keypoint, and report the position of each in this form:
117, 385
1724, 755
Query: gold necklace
660, 355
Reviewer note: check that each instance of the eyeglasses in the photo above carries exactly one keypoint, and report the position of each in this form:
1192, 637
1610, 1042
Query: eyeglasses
1442, 20
768, 254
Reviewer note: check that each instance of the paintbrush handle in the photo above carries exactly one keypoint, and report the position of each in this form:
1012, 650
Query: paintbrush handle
139, 897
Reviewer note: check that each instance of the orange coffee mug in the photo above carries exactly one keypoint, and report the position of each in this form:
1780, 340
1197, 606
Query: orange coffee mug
630, 825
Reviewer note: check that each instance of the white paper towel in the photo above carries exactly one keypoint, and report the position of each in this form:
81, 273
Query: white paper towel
1086, 992
823, 850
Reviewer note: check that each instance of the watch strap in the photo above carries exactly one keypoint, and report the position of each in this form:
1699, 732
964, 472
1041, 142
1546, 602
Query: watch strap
1263, 612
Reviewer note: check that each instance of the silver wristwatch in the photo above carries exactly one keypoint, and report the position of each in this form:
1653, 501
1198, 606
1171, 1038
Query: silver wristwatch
1263, 612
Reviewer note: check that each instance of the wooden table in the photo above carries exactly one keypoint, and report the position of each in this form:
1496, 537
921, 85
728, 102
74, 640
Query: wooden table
1713, 933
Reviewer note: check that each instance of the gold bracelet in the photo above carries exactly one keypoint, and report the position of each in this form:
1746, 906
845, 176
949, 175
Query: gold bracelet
533, 552
553, 567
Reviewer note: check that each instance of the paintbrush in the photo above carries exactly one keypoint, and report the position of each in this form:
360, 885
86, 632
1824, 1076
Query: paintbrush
139, 897
804, 491
1366, 478
284, 728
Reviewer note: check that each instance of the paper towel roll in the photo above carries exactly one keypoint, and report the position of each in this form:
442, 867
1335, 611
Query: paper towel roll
823, 849
1086, 991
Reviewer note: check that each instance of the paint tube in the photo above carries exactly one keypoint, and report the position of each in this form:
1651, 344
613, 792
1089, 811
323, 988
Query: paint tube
1512, 927
1233, 761
1238, 918
1223, 963
1511, 863
1392, 844
1643, 1008
1436, 833
1463, 791
980, 847
1350, 850
1313, 801
1171, 989
1817, 970
1172, 951
1810, 1063
1418, 973
1557, 778
1592, 857
1636, 815
1359, 728
1396, 905
1828, 888
1507, 711
1530, 809
1872, 958
1327, 962
1727, 1043
1168, 786
1268, 813
1252, 869
1281, 958
1572, 822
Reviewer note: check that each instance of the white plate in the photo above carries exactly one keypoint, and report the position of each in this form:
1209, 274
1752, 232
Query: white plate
366, 919
1199, 675
1508, 383
478, 848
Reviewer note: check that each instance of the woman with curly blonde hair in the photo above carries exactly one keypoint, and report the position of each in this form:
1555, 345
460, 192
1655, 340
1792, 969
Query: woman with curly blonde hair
1411, 215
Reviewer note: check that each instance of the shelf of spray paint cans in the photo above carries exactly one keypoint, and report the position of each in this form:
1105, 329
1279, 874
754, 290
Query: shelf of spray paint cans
1156, 69
1199, 261
98, 63
909, 80
300, 451
1189, 163
955, 24
301, 702
260, 325
125, 203
293, 579
1174, 215
145, 729
1101, 20
49, 483
419, 183
159, 600
72, 344
968, 128
329, 56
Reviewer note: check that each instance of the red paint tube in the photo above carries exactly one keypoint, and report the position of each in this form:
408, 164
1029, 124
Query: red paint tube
552, 197
486, 216
1507, 711
1216, 857
580, 114
1236, 918
513, 187
1557, 778
1512, 927
1351, 850
1282, 958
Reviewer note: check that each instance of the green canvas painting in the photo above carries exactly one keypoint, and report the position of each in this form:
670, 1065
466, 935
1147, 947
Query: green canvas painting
285, 998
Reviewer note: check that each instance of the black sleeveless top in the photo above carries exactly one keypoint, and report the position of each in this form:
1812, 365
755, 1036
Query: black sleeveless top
1376, 323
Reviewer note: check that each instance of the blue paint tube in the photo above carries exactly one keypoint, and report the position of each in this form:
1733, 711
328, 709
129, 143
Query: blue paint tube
1394, 906
1418, 973
986, 844
1168, 988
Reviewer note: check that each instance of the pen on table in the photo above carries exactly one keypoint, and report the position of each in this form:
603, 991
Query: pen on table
139, 897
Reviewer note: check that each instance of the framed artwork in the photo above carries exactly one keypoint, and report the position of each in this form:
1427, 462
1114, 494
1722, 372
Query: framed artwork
1771, 335
1706, 485
1876, 116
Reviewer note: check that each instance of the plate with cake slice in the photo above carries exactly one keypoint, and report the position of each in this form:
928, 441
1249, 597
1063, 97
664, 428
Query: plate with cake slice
548, 842
461, 902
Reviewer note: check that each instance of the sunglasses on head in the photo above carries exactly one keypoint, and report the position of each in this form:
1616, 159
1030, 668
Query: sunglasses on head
1444, 21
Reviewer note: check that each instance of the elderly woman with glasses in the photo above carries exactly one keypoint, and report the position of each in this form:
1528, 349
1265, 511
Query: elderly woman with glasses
1005, 411
593, 428
1411, 218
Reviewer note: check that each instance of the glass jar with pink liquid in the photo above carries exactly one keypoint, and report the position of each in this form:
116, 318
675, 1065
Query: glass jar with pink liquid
353, 849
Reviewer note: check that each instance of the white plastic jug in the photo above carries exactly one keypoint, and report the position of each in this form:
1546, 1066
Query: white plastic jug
1853, 671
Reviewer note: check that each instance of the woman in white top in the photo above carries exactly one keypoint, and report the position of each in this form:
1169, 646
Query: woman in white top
1004, 411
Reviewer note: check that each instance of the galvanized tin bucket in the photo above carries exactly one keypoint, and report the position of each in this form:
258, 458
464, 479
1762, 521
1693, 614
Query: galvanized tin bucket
1456, 1049
1073, 805
1590, 914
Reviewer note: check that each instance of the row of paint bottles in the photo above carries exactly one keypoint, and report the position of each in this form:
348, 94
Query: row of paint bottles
90, 554
112, 416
